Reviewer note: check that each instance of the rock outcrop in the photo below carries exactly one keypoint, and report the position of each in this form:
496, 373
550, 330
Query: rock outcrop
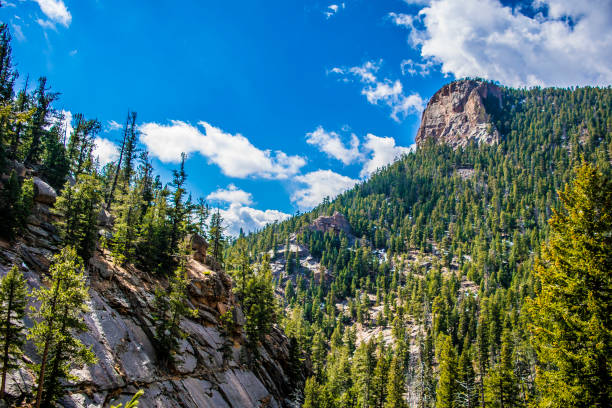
198, 246
213, 366
457, 114
335, 223
43, 193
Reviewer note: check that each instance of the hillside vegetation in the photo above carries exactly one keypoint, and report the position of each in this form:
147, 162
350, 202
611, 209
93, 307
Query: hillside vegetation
441, 255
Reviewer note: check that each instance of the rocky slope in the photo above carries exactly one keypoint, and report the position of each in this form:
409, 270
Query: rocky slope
212, 367
457, 114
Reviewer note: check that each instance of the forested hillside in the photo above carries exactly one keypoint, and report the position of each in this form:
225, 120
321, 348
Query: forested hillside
439, 266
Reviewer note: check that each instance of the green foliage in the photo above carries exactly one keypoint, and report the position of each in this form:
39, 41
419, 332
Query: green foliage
169, 308
216, 233
78, 207
396, 385
446, 392
13, 301
16, 201
132, 403
63, 300
501, 383
259, 305
572, 311
460, 230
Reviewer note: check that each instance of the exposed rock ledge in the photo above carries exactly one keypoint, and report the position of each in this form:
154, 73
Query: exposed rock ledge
457, 115
335, 223
212, 369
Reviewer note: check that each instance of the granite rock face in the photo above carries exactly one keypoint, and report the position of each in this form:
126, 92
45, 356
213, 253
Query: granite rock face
457, 114
212, 367
335, 223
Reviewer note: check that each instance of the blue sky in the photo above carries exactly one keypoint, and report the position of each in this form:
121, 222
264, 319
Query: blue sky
280, 103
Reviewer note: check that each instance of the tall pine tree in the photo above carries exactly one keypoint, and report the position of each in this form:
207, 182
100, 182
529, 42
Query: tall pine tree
572, 312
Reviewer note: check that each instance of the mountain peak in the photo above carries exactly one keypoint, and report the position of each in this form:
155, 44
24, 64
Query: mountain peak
457, 114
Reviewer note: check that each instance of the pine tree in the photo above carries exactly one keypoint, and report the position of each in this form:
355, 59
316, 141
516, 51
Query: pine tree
9, 197
446, 392
467, 388
572, 312
259, 305
78, 207
501, 383
40, 120
63, 300
396, 385
379, 377
55, 165
482, 347
13, 301
311, 394
216, 237
169, 308
179, 210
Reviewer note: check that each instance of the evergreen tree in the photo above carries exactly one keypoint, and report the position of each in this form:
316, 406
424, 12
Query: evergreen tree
501, 382
8, 211
16, 201
169, 308
62, 301
396, 385
13, 301
467, 388
40, 120
216, 236
259, 305
572, 312
446, 392
311, 394
78, 207
179, 211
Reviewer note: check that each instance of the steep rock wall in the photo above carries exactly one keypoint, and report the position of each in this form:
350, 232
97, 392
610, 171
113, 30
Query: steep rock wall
457, 114
213, 367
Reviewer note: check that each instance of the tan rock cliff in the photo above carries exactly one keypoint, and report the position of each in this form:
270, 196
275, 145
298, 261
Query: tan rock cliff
456, 114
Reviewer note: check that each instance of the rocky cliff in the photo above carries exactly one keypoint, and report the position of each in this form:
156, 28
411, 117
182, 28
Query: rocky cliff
213, 368
457, 114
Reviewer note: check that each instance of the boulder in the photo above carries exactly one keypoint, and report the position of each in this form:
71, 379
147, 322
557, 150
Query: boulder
43, 193
198, 246
105, 218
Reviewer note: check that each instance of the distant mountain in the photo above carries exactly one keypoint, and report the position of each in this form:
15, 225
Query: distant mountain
439, 244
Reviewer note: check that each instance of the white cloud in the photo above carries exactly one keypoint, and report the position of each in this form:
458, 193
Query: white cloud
317, 185
410, 67
332, 145
46, 23
18, 32
67, 122
56, 11
234, 154
375, 152
73, 52
105, 150
565, 43
385, 91
112, 125
249, 219
382, 151
402, 19
231, 195
332, 9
